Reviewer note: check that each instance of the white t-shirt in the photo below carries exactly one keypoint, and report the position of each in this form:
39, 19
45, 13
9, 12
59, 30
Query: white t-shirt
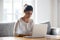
23, 27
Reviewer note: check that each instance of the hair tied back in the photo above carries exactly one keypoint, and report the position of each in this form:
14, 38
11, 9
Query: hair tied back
25, 5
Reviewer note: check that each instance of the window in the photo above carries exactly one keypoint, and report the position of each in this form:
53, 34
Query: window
7, 10
13, 9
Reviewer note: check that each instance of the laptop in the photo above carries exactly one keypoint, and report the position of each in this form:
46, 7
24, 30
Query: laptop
39, 30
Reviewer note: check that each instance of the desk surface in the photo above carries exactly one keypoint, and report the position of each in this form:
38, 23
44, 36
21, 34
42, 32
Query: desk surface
21, 38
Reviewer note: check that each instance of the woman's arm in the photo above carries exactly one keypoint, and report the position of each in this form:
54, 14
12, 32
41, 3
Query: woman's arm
15, 28
18, 31
32, 25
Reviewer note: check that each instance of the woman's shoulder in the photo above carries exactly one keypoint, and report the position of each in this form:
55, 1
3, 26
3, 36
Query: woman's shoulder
19, 20
31, 20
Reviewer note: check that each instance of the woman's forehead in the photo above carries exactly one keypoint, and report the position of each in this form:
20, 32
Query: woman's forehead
29, 11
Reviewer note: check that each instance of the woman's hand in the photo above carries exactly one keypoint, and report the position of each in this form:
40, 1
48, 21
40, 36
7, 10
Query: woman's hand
29, 34
22, 35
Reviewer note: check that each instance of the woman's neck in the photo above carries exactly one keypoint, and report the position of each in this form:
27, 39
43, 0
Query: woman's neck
25, 19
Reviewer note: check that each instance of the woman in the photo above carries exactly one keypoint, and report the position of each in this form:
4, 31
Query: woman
24, 25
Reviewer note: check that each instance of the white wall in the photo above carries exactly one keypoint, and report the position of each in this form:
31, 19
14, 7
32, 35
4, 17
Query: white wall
55, 15
43, 10
48, 10
1, 9
58, 13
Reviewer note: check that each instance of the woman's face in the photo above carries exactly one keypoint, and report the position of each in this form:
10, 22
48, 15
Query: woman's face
28, 14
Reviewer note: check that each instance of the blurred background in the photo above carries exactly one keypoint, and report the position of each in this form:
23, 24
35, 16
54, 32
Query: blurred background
44, 11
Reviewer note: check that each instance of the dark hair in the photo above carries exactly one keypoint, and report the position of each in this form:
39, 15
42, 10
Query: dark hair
28, 8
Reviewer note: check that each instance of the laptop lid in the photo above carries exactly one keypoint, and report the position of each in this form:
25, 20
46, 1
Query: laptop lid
39, 30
